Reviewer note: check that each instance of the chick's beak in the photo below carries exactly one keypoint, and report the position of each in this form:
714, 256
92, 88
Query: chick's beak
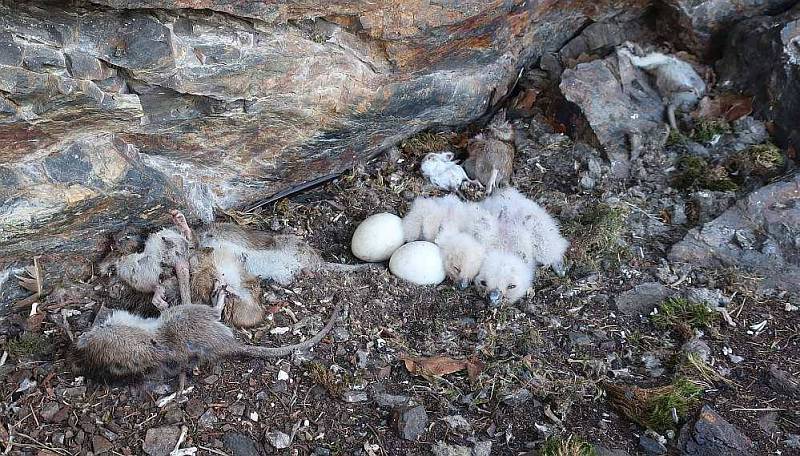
462, 284
494, 297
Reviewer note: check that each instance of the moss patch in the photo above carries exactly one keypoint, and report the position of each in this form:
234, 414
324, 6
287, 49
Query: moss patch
678, 311
426, 142
571, 446
28, 345
694, 172
652, 408
676, 138
595, 234
705, 130
761, 160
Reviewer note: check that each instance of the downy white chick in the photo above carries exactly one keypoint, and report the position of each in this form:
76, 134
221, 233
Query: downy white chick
677, 81
503, 275
425, 217
442, 171
523, 221
462, 255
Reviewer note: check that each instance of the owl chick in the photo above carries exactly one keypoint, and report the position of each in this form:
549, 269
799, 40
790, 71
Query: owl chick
503, 275
527, 230
462, 255
425, 217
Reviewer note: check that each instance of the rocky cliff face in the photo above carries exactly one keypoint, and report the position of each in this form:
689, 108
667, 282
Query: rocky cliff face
112, 111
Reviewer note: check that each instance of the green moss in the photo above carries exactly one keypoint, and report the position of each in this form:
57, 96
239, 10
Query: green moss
571, 446
694, 172
426, 142
762, 160
595, 234
706, 130
682, 395
28, 345
676, 138
675, 311
717, 179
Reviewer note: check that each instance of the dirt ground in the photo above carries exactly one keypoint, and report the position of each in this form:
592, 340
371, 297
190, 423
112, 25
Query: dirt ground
541, 364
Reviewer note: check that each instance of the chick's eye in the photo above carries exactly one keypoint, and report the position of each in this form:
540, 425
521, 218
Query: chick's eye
457, 269
483, 282
512, 286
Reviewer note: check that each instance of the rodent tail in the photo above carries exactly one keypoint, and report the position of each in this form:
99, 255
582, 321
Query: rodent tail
339, 267
255, 351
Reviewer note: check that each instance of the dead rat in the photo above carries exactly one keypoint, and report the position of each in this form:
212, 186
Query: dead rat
129, 346
491, 154
162, 265
240, 258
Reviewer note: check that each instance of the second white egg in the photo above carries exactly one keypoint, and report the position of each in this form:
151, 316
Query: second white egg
418, 262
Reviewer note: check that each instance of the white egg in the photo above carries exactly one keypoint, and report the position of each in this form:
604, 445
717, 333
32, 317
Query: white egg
418, 262
377, 237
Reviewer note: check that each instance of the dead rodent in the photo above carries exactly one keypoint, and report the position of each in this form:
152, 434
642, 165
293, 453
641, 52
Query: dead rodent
240, 258
210, 266
162, 265
491, 154
126, 346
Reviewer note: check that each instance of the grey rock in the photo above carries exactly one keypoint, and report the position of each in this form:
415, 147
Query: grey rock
458, 423
792, 441
579, 338
518, 397
278, 439
641, 299
769, 423
600, 37
113, 109
783, 382
442, 449
352, 396
704, 22
207, 419
605, 451
410, 422
48, 410
618, 103
101, 445
769, 210
761, 58
651, 446
362, 358
161, 441
697, 347
482, 448
711, 298
240, 444
711, 434
390, 400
